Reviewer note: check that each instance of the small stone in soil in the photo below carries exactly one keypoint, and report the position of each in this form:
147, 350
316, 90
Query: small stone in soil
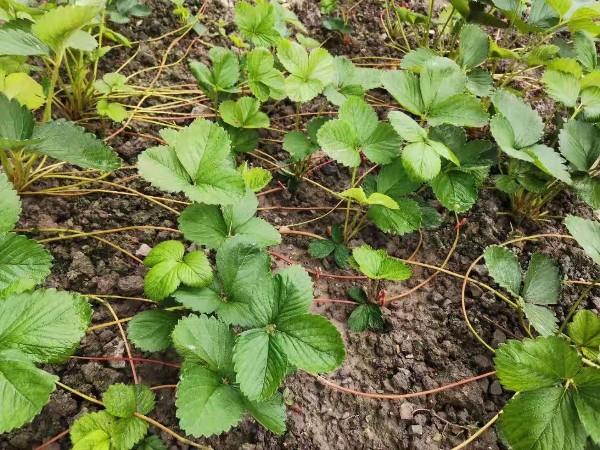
416, 429
132, 284
498, 338
406, 411
495, 388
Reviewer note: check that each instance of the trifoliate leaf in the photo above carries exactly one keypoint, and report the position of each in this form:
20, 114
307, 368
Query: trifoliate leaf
207, 404
10, 204
224, 74
461, 110
404, 87
196, 162
441, 78
474, 46
378, 265
16, 123
542, 281
260, 364
269, 413
456, 190
376, 198
584, 331
25, 388
533, 364
265, 81
244, 113
587, 234
23, 88
421, 161
66, 141
311, 342
526, 125
405, 219
205, 339
58, 26
257, 23
561, 86
308, 73
365, 316
503, 266
123, 400
151, 330
580, 144
46, 325
531, 419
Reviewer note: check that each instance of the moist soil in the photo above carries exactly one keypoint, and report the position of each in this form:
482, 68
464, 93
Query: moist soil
425, 344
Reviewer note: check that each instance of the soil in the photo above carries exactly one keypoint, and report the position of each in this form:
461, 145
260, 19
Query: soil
426, 343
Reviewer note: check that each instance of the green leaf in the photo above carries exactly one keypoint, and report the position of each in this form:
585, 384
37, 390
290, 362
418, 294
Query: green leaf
584, 331
366, 316
590, 99
461, 110
257, 23
533, 364
405, 219
68, 142
45, 325
561, 86
343, 85
503, 266
580, 144
18, 41
293, 291
560, 6
151, 330
378, 265
321, 248
525, 123
256, 178
406, 127
10, 204
114, 111
25, 388
441, 78
126, 433
204, 300
480, 82
244, 270
151, 443
311, 342
299, 146
456, 190
587, 400
541, 318
308, 73
244, 113
94, 440
16, 123
587, 234
545, 418
416, 59
196, 162
224, 74
394, 181
474, 46
260, 364
58, 26
123, 400
23, 88
207, 340
270, 413
542, 281
205, 404
421, 161
586, 50
170, 268
265, 81
337, 139
549, 161
92, 431
587, 189
404, 87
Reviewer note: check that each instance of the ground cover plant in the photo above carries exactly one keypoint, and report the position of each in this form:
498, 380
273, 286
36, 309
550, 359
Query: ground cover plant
267, 166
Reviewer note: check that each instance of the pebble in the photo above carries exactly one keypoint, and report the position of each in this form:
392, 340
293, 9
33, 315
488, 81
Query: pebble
143, 250
406, 411
416, 429
495, 388
498, 338
476, 291
133, 284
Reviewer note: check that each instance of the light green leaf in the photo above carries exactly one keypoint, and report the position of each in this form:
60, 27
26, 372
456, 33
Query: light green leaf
123, 400
586, 50
260, 364
503, 266
298, 145
549, 161
22, 87
126, 433
416, 59
17, 41
541, 318
405, 219
560, 6
207, 340
256, 178
383, 145
407, 127
92, 429
16, 123
542, 281
25, 389
195, 162
533, 364
404, 87
265, 81
94, 440
590, 99
461, 110
337, 139
206, 405
474, 46
421, 161
114, 111
580, 144
257, 23
587, 400
378, 265
441, 78
269, 413
311, 342
456, 190
526, 125
541, 419
81, 40
443, 151
343, 85
561, 86
244, 113
68, 142
57, 26
480, 82
587, 234
45, 325
224, 74
585, 333
151, 330
10, 204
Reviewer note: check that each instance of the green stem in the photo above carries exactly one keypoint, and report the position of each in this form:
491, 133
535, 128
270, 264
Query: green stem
583, 295
428, 26
54, 77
